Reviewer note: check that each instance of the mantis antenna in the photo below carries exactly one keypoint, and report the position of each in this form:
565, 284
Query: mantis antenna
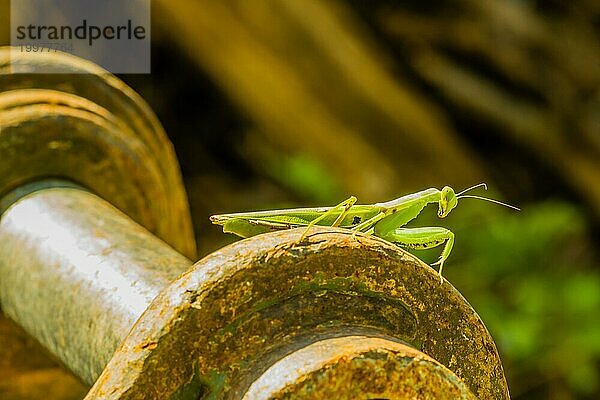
461, 195
473, 187
490, 200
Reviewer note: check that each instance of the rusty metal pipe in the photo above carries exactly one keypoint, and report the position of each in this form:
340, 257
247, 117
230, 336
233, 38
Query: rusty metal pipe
77, 273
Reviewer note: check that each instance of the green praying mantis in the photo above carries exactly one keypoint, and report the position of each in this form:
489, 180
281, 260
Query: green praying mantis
384, 220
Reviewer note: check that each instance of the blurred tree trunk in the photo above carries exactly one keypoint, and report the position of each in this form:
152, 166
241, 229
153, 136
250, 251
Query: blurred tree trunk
314, 81
379, 90
533, 75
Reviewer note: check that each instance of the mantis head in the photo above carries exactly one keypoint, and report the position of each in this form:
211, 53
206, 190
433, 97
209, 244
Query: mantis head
448, 201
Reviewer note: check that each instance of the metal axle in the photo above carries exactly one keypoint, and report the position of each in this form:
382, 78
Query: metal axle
77, 273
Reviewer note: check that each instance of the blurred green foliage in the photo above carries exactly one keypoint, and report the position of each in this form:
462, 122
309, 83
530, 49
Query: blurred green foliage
530, 276
303, 175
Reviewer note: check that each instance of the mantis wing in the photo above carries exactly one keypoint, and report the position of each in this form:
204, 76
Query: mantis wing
254, 223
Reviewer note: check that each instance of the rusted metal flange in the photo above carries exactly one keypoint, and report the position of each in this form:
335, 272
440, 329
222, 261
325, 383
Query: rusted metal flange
358, 367
83, 124
221, 325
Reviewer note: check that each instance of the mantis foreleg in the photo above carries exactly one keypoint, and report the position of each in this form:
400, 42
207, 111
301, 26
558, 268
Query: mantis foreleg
423, 238
389, 219
399, 218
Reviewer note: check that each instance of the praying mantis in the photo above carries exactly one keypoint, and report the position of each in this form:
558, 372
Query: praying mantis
384, 220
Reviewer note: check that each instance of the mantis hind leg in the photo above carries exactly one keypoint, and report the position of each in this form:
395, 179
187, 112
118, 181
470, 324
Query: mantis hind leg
346, 205
424, 238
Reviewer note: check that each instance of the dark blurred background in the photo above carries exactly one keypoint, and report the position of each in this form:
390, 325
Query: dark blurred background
274, 104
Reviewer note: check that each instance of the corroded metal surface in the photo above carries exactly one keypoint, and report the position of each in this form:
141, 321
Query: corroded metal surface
355, 367
77, 273
223, 323
86, 125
